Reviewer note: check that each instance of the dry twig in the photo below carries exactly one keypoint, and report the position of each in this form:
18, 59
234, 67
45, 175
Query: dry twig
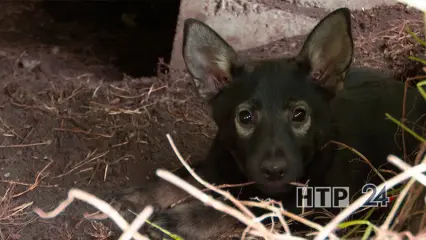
361, 200
248, 219
105, 208
39, 177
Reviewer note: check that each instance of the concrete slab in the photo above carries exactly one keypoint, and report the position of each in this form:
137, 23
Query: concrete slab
334, 4
247, 24
244, 26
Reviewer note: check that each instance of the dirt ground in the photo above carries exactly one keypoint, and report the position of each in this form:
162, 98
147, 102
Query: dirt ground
69, 120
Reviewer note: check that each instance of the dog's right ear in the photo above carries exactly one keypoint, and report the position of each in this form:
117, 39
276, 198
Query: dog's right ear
208, 57
328, 49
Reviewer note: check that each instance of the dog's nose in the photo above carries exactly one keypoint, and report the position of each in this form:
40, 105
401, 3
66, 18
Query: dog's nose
274, 170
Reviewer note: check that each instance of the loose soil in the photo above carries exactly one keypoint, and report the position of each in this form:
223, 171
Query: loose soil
68, 119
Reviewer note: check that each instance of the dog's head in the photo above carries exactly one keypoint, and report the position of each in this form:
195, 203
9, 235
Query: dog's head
272, 115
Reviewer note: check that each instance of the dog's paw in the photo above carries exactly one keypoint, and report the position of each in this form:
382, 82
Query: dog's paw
190, 221
164, 220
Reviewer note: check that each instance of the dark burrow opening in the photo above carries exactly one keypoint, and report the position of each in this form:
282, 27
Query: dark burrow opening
131, 34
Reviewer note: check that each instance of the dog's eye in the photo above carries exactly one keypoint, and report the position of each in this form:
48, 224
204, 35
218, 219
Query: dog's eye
299, 115
245, 117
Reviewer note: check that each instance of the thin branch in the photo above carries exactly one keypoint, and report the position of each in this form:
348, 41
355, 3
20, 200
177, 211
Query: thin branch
208, 200
419, 177
137, 223
206, 184
361, 200
99, 204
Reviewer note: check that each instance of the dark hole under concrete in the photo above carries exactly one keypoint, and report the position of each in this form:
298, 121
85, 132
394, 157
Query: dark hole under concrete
134, 46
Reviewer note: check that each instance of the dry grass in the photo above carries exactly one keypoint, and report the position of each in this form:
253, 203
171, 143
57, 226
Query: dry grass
114, 109
112, 124
13, 214
116, 105
396, 42
173, 98
91, 112
99, 231
244, 215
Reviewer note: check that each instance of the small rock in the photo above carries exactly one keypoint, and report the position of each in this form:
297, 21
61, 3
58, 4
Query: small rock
55, 50
30, 64
15, 236
115, 101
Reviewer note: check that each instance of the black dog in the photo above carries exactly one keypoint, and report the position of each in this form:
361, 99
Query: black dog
275, 117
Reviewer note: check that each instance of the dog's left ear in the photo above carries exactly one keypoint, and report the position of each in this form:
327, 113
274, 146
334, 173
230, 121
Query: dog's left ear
208, 57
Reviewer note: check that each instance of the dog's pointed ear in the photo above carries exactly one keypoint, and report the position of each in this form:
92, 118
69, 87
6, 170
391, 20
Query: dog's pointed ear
328, 49
207, 56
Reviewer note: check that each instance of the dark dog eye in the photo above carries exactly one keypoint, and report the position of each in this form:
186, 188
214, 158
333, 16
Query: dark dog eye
245, 117
299, 115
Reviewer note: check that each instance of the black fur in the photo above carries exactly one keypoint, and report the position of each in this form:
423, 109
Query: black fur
275, 147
